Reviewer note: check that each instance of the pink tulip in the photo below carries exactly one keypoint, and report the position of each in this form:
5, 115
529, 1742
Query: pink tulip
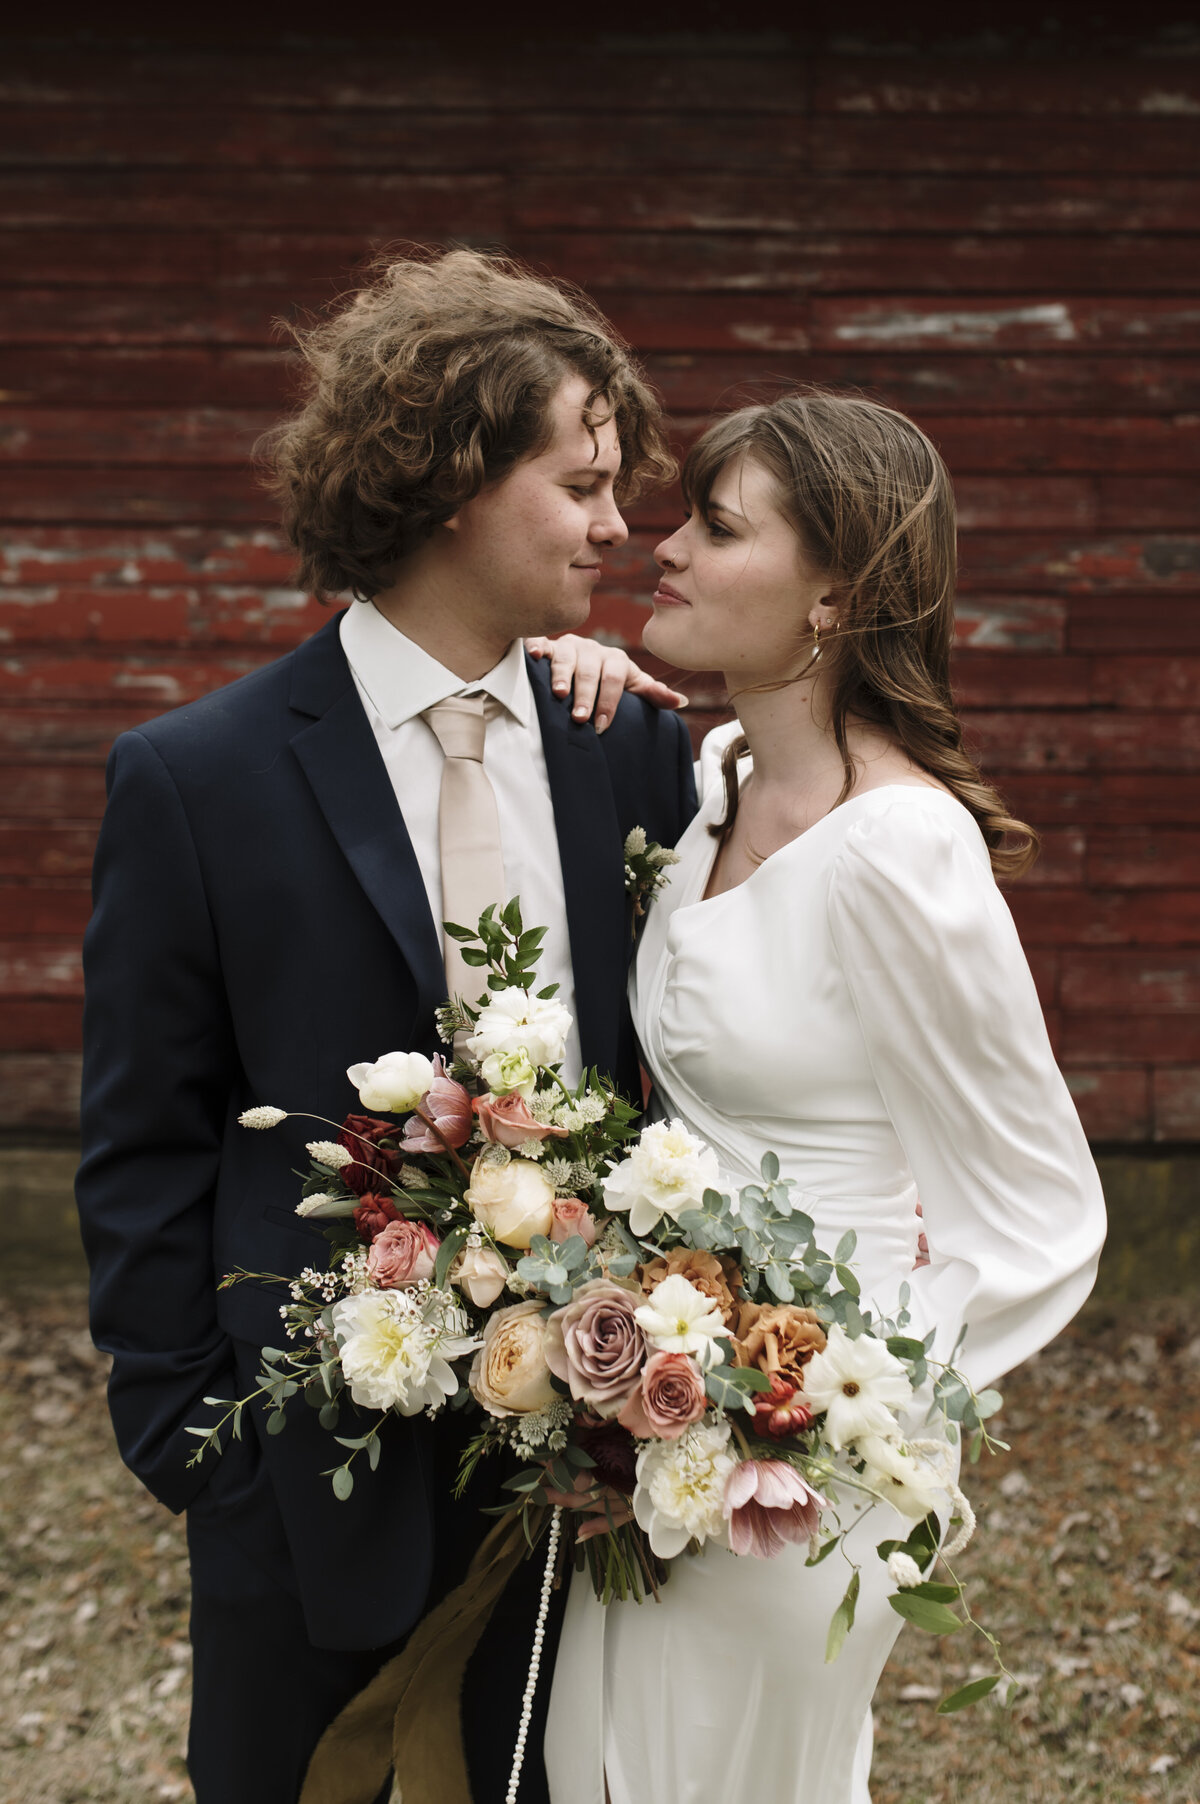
448, 1106
768, 1504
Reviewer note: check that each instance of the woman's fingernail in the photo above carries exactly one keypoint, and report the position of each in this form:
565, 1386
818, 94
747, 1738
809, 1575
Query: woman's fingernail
580, 713
560, 688
601, 722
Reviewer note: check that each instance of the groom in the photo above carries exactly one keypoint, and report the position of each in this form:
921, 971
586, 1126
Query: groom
269, 889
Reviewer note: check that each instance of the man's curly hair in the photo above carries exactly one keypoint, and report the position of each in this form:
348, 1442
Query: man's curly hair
431, 382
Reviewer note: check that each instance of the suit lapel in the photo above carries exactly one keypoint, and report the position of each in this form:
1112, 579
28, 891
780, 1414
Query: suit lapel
593, 870
342, 763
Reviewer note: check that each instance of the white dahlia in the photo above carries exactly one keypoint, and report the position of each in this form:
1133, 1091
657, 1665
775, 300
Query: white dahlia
680, 1490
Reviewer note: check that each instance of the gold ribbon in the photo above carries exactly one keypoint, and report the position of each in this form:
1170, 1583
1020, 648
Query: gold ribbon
408, 1719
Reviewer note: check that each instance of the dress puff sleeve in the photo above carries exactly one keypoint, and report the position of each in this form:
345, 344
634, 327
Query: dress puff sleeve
1014, 1213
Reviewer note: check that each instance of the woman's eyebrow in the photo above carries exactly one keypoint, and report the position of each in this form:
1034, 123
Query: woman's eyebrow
719, 507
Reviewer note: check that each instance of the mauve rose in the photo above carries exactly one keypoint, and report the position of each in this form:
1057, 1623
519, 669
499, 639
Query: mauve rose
573, 1217
448, 1106
767, 1504
668, 1400
373, 1214
402, 1253
596, 1347
613, 1449
506, 1121
361, 1135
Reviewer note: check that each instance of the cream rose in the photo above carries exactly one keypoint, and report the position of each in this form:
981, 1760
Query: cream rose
395, 1083
509, 1374
513, 1202
481, 1274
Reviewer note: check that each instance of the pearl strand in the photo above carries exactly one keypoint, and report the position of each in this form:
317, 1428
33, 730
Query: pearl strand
535, 1660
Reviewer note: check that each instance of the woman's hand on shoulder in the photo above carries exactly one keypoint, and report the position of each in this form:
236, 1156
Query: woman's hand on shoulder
601, 674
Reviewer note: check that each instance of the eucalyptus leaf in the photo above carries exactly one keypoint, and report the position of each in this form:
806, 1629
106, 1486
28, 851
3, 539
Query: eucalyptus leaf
843, 1621
276, 1422
845, 1247
848, 1280
770, 1167
447, 1253
343, 1483
935, 1619
968, 1694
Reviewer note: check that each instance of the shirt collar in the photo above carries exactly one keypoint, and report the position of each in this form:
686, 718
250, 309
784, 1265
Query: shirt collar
401, 680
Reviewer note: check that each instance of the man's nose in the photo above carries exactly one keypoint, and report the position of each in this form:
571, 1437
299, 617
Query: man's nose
609, 529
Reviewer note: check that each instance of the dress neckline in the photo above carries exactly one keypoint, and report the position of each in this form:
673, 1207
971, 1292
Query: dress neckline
703, 901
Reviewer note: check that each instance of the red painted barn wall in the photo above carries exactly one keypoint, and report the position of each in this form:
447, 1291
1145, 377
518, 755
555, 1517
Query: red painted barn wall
1007, 249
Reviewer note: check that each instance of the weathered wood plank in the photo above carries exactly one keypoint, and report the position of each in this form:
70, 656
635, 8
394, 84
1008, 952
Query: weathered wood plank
45, 967
984, 679
1142, 857
139, 618
1136, 982
1093, 1039
1105, 88
1176, 1103
941, 143
40, 1090
1157, 564
1083, 917
161, 683
37, 912
1026, 323
1104, 800
1114, 623
673, 263
153, 496
1009, 741
56, 792
123, 555
258, 378
1113, 1104
28, 853
41, 1024
1145, 682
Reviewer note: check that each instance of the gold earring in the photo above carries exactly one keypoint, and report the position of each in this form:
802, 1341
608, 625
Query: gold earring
817, 636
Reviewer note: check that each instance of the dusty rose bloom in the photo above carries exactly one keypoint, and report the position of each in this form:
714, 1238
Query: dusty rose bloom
402, 1253
506, 1121
767, 1504
573, 1217
595, 1345
448, 1106
669, 1398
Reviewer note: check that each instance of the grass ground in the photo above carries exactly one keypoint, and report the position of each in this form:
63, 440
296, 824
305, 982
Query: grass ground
1087, 1564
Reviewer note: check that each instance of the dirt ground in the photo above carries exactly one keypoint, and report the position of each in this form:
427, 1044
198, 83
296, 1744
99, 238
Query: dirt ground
1087, 1564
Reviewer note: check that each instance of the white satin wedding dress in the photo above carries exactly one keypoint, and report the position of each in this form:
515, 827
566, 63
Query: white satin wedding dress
860, 1005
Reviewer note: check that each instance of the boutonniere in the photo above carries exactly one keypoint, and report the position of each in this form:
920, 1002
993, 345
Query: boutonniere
646, 865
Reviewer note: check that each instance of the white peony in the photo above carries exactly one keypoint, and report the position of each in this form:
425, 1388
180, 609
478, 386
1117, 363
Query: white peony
666, 1173
858, 1384
678, 1318
680, 1488
903, 1570
396, 1350
394, 1084
515, 1021
910, 1486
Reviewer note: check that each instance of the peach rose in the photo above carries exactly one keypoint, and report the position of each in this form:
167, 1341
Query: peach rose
509, 1374
573, 1217
506, 1121
778, 1337
714, 1275
402, 1253
481, 1274
513, 1202
669, 1398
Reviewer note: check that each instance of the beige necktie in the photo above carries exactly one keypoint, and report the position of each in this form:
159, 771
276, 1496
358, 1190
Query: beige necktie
468, 829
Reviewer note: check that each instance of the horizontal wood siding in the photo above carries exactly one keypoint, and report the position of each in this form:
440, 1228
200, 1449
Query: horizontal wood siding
1005, 246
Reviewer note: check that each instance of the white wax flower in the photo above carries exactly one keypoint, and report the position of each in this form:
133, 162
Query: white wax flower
678, 1318
680, 1488
515, 1021
262, 1117
903, 1569
858, 1384
329, 1154
907, 1484
394, 1084
667, 1171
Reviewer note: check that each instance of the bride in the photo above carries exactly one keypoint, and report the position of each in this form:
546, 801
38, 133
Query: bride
832, 974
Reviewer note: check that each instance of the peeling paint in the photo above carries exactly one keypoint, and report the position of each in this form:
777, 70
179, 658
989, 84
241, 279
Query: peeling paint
167, 686
771, 338
971, 327
1162, 102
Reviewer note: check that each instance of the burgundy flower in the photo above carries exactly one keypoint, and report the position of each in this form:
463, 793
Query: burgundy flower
615, 1454
448, 1106
781, 1411
362, 1136
373, 1215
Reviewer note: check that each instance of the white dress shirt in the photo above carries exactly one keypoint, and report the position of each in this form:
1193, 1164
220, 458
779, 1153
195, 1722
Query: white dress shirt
396, 682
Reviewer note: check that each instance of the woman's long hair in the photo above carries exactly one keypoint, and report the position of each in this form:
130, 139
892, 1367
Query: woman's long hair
873, 507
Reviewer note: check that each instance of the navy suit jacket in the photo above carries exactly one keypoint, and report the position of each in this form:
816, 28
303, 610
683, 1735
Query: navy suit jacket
260, 923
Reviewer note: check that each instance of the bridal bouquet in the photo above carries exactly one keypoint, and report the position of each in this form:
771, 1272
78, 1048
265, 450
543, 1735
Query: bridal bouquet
687, 1363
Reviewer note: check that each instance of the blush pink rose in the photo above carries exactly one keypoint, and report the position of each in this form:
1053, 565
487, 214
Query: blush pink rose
448, 1106
669, 1398
507, 1121
402, 1253
573, 1217
596, 1347
767, 1504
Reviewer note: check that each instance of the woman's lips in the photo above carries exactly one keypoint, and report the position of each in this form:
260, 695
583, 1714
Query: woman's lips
669, 597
